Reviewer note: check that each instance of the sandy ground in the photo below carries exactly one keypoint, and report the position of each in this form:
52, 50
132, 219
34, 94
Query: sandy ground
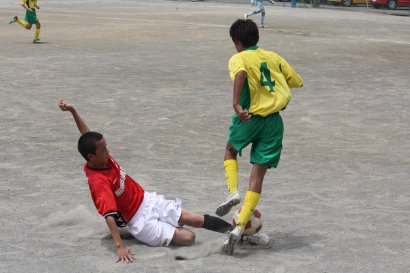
152, 77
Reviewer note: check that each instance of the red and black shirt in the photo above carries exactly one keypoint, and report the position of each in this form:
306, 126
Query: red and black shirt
114, 193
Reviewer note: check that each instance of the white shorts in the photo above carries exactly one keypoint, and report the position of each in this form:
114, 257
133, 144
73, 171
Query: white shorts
259, 6
156, 220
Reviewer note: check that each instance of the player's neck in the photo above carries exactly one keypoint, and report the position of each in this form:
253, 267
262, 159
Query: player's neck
93, 165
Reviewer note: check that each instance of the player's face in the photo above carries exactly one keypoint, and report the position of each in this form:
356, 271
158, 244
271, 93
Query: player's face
100, 158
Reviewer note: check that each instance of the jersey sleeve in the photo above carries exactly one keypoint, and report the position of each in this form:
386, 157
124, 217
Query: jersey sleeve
235, 65
102, 195
292, 78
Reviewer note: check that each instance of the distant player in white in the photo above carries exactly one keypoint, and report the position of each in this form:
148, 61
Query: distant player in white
259, 9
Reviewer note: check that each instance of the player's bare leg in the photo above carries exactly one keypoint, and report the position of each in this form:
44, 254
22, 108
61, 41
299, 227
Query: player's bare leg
191, 219
256, 178
183, 237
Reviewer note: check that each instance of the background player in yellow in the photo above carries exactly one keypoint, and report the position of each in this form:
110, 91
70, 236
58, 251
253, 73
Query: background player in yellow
261, 88
31, 18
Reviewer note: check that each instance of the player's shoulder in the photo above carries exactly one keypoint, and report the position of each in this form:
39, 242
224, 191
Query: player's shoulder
235, 59
98, 179
272, 55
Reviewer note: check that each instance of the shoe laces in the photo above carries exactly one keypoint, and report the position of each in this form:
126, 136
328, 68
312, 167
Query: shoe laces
255, 239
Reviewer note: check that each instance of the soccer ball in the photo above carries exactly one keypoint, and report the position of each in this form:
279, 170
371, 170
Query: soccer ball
254, 224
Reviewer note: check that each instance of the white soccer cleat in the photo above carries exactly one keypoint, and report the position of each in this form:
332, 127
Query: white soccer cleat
232, 200
225, 244
228, 246
257, 239
245, 16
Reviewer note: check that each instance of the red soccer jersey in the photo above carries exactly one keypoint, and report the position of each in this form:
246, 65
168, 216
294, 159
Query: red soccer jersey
114, 193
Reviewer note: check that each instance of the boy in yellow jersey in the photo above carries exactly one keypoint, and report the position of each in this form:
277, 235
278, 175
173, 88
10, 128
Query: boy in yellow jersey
260, 90
31, 18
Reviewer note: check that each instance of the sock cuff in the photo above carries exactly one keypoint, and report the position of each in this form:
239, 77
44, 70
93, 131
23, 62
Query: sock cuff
206, 220
231, 163
252, 196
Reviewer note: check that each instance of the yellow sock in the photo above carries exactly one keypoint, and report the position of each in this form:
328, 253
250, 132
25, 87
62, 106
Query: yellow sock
249, 205
22, 23
231, 174
37, 34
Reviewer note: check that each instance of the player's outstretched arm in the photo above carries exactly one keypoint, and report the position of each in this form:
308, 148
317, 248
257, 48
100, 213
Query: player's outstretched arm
82, 127
124, 254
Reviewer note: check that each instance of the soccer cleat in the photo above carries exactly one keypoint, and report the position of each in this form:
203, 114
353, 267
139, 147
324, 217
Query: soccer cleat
38, 41
262, 26
13, 20
232, 200
258, 239
231, 241
245, 16
271, 1
225, 244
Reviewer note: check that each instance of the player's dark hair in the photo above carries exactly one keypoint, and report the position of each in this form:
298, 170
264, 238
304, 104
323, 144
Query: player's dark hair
86, 144
245, 31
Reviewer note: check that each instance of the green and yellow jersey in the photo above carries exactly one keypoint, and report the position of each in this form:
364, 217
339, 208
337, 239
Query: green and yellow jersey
266, 89
29, 3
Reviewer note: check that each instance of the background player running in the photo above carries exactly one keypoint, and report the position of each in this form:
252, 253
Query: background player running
123, 202
259, 9
260, 90
31, 18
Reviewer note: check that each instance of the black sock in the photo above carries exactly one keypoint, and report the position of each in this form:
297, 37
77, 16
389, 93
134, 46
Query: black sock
216, 224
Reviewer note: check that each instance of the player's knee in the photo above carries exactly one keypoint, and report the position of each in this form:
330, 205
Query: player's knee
190, 240
187, 239
28, 26
232, 152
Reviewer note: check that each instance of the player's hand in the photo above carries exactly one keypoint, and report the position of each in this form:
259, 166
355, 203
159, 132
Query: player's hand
124, 255
243, 115
38, 7
64, 106
30, 10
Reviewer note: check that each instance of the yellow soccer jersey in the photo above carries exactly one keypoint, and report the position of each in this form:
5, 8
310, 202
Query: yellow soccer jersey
266, 89
29, 3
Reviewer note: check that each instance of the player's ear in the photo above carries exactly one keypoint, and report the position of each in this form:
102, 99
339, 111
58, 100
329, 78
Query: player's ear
90, 157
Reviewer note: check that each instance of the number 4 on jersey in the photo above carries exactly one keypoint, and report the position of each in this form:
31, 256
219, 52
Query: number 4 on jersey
265, 77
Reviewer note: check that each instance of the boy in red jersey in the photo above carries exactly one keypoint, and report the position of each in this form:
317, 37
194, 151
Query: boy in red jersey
123, 202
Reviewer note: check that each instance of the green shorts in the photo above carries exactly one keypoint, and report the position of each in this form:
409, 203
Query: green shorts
31, 17
265, 134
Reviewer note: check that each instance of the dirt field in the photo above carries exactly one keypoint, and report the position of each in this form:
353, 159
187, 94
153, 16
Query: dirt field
152, 77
